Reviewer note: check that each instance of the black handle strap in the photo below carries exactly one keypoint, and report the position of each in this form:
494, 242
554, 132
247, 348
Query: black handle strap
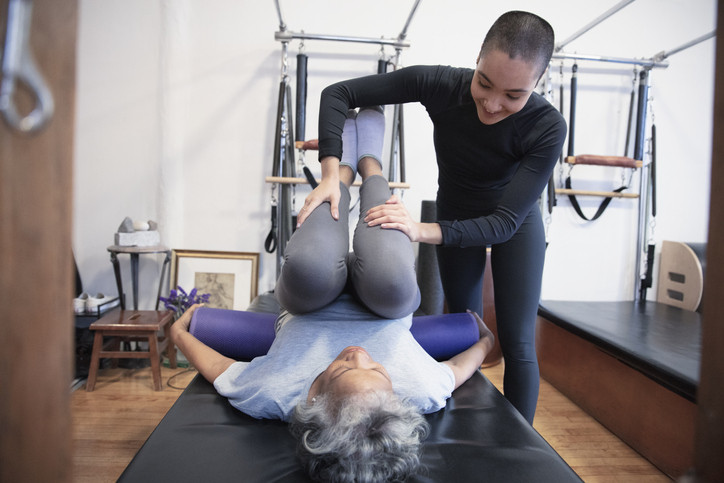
601, 208
270, 244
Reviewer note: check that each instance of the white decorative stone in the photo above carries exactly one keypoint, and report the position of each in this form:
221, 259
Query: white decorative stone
126, 225
141, 226
138, 239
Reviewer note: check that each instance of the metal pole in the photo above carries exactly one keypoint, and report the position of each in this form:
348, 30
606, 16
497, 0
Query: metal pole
648, 63
287, 36
403, 34
282, 25
594, 22
666, 53
643, 181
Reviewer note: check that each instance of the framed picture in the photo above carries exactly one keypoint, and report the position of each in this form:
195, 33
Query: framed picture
231, 278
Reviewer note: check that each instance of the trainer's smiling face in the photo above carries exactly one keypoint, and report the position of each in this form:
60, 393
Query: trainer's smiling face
501, 86
352, 371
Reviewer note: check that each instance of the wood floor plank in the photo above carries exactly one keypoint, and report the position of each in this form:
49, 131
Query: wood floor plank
111, 423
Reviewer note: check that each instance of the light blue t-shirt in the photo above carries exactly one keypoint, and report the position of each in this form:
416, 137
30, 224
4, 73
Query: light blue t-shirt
270, 386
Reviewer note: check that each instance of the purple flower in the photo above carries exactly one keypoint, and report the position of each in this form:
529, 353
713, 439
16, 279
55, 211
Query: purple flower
179, 301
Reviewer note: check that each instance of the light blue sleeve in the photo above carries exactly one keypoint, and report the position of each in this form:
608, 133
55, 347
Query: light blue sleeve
432, 391
228, 381
262, 389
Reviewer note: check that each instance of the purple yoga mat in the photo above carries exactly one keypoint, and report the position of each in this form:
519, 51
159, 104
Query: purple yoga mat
244, 335
237, 334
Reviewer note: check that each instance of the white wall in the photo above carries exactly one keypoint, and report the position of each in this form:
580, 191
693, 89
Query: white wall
176, 106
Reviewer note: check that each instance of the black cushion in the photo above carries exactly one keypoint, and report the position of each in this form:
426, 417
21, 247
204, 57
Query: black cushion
479, 436
660, 341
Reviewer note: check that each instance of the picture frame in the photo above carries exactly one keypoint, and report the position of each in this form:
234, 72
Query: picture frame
231, 278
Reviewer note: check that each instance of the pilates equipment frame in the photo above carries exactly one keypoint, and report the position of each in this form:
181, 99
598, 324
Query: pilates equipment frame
283, 177
647, 188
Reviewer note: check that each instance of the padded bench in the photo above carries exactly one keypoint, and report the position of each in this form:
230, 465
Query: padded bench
633, 366
479, 436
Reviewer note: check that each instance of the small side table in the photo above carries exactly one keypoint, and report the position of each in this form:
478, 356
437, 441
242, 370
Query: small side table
139, 325
134, 252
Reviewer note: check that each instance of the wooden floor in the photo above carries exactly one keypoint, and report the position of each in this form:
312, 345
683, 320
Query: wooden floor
111, 423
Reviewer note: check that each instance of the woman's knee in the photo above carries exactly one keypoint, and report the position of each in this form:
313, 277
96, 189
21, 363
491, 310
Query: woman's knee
309, 283
390, 291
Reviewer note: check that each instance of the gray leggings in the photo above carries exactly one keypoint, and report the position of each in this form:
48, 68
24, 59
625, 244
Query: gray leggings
380, 272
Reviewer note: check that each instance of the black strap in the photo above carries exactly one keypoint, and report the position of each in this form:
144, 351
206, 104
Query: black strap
648, 279
601, 208
270, 244
310, 178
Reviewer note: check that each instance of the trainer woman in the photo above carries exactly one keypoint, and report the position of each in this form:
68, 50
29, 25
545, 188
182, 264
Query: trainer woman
496, 143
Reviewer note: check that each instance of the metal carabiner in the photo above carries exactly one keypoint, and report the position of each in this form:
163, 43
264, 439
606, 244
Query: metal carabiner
18, 65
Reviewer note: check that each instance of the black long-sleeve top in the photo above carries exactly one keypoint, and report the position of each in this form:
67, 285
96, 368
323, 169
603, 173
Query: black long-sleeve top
491, 175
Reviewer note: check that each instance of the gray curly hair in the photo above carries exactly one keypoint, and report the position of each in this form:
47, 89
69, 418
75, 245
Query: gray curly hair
370, 437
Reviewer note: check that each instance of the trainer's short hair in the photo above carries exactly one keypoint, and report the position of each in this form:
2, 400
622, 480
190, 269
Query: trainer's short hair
371, 437
522, 34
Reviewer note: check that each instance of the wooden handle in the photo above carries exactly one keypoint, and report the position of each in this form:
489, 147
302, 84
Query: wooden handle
596, 160
288, 180
311, 145
603, 194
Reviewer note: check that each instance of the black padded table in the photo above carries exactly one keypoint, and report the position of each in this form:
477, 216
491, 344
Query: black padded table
661, 341
633, 366
479, 436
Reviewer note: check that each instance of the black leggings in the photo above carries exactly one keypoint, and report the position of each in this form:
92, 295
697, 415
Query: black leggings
517, 272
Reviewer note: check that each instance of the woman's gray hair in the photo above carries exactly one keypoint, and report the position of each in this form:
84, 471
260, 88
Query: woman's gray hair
369, 437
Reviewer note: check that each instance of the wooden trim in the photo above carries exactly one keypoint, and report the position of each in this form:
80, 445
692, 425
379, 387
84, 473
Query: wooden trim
36, 278
710, 424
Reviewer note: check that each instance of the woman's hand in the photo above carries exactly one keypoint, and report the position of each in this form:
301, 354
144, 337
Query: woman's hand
394, 215
184, 322
467, 362
206, 360
327, 190
486, 335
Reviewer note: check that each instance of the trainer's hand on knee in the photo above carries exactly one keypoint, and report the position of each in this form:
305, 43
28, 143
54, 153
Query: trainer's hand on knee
327, 190
394, 215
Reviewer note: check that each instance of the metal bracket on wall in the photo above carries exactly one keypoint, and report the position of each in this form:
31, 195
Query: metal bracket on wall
18, 65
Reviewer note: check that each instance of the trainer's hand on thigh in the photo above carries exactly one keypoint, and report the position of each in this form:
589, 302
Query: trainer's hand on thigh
394, 215
327, 190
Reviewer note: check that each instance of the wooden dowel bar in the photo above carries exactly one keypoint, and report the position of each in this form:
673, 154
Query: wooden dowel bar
311, 145
602, 194
289, 180
596, 160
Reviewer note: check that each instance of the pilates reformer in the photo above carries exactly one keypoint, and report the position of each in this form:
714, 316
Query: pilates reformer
203, 438
640, 357
286, 174
646, 194
639, 102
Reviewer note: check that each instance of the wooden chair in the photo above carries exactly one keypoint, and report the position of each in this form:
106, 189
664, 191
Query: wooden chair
133, 325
